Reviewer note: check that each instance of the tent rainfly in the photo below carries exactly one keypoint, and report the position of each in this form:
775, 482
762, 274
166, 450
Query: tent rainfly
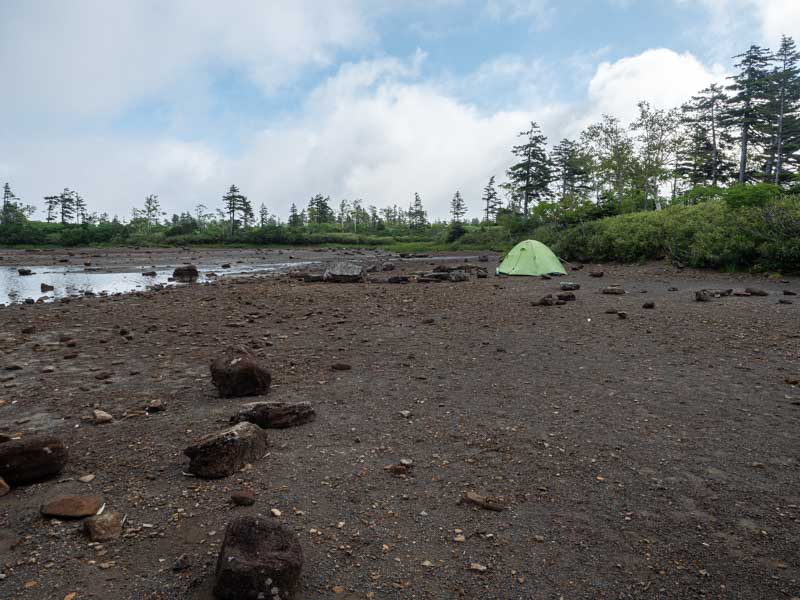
530, 258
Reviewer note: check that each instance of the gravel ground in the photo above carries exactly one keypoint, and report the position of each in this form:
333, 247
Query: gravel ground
648, 457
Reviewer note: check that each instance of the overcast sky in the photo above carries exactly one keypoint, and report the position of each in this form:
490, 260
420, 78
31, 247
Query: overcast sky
371, 99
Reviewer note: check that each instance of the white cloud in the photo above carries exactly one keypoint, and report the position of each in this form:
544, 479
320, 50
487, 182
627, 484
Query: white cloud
729, 29
92, 57
661, 76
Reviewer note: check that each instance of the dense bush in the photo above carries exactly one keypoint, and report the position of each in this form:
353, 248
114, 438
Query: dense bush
717, 233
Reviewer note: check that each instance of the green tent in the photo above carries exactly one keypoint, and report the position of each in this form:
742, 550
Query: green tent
530, 258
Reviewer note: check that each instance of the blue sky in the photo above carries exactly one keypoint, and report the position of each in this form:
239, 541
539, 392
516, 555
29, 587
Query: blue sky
372, 99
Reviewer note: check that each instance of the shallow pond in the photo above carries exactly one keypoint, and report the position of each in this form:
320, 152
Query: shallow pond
78, 281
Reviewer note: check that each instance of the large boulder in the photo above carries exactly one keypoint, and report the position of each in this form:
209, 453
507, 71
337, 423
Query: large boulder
223, 453
275, 415
260, 558
344, 272
31, 459
237, 372
186, 273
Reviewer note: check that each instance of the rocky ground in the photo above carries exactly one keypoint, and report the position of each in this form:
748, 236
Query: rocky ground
653, 456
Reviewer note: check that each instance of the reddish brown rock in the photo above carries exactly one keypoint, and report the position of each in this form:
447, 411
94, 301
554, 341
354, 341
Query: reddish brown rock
31, 459
260, 558
237, 373
4, 487
72, 507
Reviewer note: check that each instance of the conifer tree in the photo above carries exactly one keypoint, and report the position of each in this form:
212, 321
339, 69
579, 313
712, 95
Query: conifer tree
571, 169
417, 216
787, 117
458, 208
705, 159
530, 176
491, 202
235, 203
745, 109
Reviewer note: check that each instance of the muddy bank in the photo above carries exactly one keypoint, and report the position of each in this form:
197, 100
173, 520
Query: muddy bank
651, 456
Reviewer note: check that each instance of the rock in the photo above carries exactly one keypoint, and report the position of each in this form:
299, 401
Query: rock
186, 273
789, 293
344, 272
483, 258
702, 296
259, 558
101, 417
88, 478
104, 527
649, 305
387, 267
225, 266
243, 498
31, 459
237, 373
46, 288
155, 405
4, 487
756, 291
784, 301
341, 367
313, 277
567, 286
672, 289
24, 272
596, 273
484, 502
398, 279
622, 314
182, 563
482, 274
566, 296
457, 276
72, 507
406, 414
275, 415
150, 274
547, 300
223, 453
614, 290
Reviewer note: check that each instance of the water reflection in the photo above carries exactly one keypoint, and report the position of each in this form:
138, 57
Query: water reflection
71, 281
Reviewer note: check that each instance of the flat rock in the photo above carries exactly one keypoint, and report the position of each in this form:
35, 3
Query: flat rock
72, 507
275, 415
567, 286
243, 498
613, 290
344, 272
223, 453
756, 291
104, 527
31, 459
260, 558
237, 372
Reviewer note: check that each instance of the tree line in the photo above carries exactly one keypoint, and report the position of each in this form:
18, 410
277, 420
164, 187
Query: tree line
745, 132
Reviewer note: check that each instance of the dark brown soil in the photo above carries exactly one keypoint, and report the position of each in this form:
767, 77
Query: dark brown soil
648, 457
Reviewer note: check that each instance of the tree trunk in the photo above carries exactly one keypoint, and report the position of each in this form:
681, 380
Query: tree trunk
779, 141
713, 144
743, 155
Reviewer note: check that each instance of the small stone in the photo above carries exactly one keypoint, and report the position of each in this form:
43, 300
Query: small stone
243, 498
185, 274
614, 290
784, 301
72, 507
4, 487
341, 367
567, 286
182, 563
622, 314
596, 273
86, 478
477, 567
104, 527
101, 417
155, 406
649, 305
460, 538
756, 291
275, 512
275, 415
405, 414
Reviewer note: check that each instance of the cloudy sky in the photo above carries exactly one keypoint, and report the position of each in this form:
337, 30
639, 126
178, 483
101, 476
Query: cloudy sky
371, 99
